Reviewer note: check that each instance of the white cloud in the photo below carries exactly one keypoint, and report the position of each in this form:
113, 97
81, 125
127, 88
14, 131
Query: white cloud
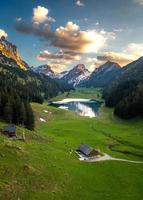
69, 37
90, 60
79, 3
119, 30
109, 35
40, 15
58, 60
130, 53
93, 63
72, 38
118, 57
85, 19
140, 2
135, 49
60, 55
57, 67
3, 33
18, 19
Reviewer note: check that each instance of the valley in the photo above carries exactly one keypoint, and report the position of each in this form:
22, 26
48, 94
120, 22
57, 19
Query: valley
71, 100
45, 166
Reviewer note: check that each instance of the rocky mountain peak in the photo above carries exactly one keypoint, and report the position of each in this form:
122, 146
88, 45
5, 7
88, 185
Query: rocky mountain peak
45, 69
107, 66
10, 51
80, 67
110, 63
76, 75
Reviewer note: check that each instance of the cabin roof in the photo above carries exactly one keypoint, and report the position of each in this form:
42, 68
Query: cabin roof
84, 148
10, 128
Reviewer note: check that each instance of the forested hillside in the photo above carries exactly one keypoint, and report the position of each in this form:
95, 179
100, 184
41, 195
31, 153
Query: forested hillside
126, 94
18, 88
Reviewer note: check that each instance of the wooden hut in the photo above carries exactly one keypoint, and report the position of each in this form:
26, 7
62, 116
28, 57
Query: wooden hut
87, 150
10, 130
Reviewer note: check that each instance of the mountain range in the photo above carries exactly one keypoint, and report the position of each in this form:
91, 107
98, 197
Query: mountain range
81, 76
72, 77
122, 86
78, 76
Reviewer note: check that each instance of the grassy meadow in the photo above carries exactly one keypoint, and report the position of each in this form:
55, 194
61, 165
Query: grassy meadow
45, 166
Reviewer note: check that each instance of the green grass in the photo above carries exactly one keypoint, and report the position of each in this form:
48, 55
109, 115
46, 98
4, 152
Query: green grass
42, 168
90, 93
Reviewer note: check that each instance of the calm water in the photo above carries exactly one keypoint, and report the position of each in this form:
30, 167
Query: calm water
82, 107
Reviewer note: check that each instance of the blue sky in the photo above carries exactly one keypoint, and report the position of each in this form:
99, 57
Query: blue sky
93, 31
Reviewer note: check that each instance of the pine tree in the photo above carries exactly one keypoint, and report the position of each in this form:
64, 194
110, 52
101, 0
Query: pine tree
8, 112
16, 109
0, 105
22, 113
29, 121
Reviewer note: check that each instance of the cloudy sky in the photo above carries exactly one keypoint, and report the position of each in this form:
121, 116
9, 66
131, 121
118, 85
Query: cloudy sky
63, 33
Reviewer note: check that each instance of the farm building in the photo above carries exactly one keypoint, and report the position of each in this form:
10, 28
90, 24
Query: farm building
87, 150
10, 130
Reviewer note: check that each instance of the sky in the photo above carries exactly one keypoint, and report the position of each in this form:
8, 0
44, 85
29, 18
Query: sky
63, 33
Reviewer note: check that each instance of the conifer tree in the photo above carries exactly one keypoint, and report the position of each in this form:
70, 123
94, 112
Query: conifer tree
8, 112
29, 122
22, 113
0, 105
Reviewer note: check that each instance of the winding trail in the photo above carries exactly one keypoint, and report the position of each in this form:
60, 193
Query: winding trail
107, 157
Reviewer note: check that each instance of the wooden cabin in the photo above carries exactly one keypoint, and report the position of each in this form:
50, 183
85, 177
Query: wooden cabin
87, 150
9, 130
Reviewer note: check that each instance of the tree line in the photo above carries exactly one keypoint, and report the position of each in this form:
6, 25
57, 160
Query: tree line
15, 110
18, 88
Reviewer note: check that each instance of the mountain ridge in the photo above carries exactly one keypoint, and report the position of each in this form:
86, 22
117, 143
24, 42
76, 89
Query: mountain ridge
46, 70
76, 75
71, 77
9, 55
125, 94
103, 75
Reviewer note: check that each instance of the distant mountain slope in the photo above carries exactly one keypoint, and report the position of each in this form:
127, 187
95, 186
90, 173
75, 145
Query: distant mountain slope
9, 55
103, 75
135, 65
72, 77
46, 70
29, 84
61, 74
80, 76
76, 75
126, 93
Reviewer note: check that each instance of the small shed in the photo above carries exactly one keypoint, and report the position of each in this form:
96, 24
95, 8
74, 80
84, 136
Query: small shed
10, 130
87, 150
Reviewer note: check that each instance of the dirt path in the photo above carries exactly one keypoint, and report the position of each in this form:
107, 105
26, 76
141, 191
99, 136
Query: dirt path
108, 157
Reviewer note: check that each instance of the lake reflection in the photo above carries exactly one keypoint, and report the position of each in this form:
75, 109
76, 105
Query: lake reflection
82, 107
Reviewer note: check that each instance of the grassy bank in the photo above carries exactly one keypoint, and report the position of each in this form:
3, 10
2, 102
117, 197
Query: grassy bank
45, 167
90, 93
